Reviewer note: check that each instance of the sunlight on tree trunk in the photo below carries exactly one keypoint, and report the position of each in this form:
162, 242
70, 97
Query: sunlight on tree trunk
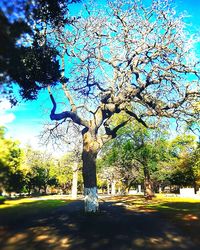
148, 185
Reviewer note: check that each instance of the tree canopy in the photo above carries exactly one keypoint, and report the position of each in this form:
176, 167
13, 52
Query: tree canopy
26, 58
137, 153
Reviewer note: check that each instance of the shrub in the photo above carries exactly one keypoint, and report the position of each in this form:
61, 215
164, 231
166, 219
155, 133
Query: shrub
2, 199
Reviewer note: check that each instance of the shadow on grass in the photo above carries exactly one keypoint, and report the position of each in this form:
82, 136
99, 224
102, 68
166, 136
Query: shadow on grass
18, 214
114, 227
184, 215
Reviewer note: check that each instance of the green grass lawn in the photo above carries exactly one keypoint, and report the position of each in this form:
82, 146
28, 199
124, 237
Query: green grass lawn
16, 211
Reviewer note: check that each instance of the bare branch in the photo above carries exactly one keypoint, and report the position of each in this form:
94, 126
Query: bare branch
66, 114
113, 132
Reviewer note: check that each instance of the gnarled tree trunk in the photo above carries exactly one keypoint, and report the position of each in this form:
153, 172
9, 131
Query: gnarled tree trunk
148, 185
89, 155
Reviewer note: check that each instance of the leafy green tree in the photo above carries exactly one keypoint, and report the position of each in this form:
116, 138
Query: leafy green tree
16, 182
195, 160
182, 150
26, 58
39, 168
11, 175
117, 163
137, 153
67, 173
164, 162
64, 172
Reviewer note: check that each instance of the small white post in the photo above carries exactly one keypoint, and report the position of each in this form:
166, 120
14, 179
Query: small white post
113, 187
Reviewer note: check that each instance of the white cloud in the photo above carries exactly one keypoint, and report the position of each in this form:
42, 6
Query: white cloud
4, 105
6, 116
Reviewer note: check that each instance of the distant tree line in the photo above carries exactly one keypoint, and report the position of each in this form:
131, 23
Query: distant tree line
29, 171
149, 158
137, 156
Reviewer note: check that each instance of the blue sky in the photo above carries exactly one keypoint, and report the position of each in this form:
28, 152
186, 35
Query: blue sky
25, 121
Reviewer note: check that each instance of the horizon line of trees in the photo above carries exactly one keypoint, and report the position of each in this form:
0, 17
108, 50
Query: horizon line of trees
29, 171
137, 156
149, 158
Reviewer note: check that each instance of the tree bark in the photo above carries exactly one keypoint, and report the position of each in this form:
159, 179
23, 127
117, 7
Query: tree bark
108, 187
89, 155
148, 185
119, 190
45, 189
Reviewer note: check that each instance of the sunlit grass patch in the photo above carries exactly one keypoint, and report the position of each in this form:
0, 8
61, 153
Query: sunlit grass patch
14, 211
23, 201
176, 204
162, 197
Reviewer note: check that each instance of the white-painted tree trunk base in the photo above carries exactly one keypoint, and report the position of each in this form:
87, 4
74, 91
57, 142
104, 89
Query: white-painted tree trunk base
91, 200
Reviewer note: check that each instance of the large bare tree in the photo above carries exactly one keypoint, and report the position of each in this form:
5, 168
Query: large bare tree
124, 57
129, 58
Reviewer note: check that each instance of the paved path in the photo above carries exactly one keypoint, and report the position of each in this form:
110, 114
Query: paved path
114, 228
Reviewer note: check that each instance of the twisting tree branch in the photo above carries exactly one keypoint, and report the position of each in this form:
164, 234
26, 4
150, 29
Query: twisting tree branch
66, 114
